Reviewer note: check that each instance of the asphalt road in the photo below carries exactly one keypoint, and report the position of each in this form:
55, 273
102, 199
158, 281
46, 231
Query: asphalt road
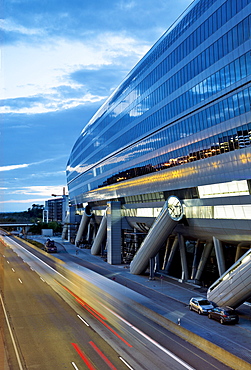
47, 332
51, 335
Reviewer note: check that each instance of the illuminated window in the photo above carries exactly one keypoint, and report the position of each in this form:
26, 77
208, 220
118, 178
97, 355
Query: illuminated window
237, 212
233, 188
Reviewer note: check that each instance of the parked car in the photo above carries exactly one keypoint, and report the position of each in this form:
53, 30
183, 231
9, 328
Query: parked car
224, 315
200, 305
50, 246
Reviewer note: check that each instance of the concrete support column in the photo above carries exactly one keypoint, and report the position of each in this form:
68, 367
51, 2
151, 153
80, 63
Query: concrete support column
219, 255
151, 268
203, 260
136, 239
65, 228
172, 253
183, 257
71, 226
195, 259
114, 233
168, 245
25, 230
100, 236
239, 249
157, 235
89, 233
156, 262
83, 223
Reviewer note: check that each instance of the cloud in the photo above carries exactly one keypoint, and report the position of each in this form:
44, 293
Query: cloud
47, 103
17, 201
9, 25
46, 190
13, 167
18, 166
60, 68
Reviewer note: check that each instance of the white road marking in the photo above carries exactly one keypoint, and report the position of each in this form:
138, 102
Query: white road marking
81, 318
11, 334
74, 365
129, 367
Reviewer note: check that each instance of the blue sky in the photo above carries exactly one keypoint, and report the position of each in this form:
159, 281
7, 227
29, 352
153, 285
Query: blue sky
60, 60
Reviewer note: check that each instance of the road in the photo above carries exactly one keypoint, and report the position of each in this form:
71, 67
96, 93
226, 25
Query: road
48, 333
89, 328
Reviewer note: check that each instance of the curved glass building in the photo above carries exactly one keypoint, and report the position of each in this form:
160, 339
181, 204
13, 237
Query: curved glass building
179, 124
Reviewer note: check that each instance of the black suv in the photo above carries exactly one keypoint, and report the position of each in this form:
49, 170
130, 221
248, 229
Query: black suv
224, 315
50, 246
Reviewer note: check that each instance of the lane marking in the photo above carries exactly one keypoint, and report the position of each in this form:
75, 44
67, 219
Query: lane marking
20, 281
102, 355
42, 279
74, 365
81, 318
11, 334
84, 358
13, 269
121, 358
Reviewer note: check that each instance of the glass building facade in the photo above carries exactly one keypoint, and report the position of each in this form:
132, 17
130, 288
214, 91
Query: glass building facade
187, 100
178, 125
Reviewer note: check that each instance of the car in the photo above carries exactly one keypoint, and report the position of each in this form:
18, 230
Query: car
50, 246
200, 305
224, 315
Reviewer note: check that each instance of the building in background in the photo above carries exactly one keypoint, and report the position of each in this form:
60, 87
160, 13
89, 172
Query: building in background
161, 175
56, 209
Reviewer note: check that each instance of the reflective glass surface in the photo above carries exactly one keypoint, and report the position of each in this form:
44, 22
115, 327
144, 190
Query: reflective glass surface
171, 96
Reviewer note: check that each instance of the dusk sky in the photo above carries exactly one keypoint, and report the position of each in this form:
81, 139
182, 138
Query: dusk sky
60, 60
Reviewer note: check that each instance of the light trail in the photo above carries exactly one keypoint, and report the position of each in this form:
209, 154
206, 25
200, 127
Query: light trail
101, 354
84, 358
151, 340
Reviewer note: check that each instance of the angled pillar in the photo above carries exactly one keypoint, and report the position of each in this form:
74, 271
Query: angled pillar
203, 260
161, 229
172, 253
114, 233
89, 233
100, 236
195, 259
240, 248
83, 223
183, 257
168, 246
219, 256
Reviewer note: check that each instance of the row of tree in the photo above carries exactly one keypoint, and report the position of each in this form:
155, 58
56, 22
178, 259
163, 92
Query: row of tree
32, 215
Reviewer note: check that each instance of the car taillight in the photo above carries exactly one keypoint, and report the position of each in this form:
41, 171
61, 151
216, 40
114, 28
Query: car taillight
224, 315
